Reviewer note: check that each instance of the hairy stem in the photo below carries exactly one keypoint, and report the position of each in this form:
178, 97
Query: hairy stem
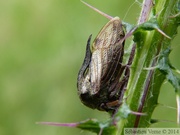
144, 85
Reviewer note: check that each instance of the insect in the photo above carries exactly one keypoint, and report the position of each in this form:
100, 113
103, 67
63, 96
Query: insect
98, 79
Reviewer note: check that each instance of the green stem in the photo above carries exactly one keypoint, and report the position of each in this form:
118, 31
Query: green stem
144, 85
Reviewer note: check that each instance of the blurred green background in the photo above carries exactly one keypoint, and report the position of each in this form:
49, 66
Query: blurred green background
42, 46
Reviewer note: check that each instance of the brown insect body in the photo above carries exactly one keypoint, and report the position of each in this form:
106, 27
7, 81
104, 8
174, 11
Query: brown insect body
98, 78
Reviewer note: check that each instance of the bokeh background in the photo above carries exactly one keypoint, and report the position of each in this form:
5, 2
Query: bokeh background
42, 46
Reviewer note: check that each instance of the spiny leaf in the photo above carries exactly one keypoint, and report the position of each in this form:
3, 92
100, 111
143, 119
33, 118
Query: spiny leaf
152, 24
101, 128
166, 68
93, 125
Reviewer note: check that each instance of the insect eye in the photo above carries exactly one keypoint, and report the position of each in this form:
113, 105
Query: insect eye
102, 107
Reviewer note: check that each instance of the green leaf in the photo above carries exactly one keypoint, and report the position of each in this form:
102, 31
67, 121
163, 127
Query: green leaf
165, 67
95, 126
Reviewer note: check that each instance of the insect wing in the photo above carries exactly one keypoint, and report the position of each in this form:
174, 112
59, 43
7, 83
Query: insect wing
107, 53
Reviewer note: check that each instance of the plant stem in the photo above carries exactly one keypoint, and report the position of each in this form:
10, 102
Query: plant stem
144, 85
